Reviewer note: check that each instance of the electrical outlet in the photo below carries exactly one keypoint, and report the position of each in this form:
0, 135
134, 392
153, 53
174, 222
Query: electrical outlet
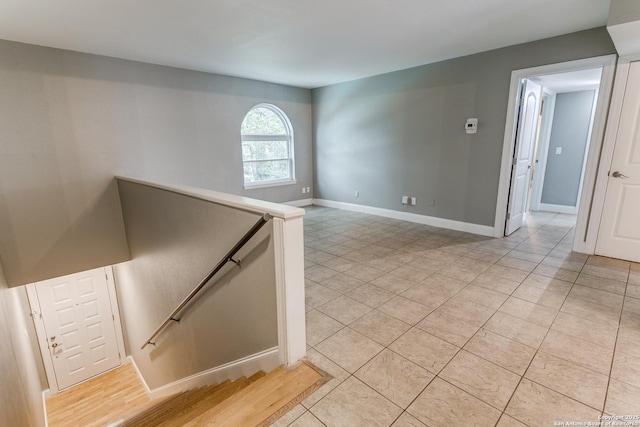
413, 201
304, 190
356, 194
405, 200
308, 189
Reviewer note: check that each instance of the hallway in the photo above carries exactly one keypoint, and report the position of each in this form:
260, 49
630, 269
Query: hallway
425, 326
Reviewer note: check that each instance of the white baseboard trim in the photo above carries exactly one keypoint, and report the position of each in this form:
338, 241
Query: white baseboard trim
571, 210
450, 224
299, 203
140, 377
265, 361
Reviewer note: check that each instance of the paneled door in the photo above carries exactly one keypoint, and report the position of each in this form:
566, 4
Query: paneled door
79, 326
619, 233
522, 161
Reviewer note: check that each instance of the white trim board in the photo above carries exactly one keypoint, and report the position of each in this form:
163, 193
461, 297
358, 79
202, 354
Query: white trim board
542, 150
288, 237
277, 210
265, 361
450, 224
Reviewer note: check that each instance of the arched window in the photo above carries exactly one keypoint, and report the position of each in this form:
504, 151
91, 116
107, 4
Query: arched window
267, 147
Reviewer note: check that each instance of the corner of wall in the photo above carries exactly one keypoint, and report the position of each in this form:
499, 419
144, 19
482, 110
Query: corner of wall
21, 391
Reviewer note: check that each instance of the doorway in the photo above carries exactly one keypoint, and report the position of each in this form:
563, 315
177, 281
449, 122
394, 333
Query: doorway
565, 130
553, 131
565, 78
78, 326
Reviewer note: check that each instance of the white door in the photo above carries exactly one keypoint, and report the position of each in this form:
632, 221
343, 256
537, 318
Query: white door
79, 326
619, 234
523, 155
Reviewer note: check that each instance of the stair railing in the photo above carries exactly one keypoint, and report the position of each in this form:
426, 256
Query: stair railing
227, 258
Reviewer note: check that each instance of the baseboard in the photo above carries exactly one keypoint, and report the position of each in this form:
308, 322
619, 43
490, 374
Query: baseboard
264, 361
299, 203
140, 377
570, 210
450, 224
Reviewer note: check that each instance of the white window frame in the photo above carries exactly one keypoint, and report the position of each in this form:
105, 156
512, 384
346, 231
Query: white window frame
290, 145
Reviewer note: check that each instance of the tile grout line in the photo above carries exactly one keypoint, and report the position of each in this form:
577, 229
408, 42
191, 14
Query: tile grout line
502, 411
403, 410
538, 349
613, 357
413, 325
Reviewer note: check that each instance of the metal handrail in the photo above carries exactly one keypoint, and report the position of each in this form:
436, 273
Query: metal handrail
227, 258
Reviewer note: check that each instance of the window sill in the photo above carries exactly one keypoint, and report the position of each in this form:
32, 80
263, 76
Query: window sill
268, 184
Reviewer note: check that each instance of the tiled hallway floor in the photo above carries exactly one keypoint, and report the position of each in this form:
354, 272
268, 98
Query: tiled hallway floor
425, 326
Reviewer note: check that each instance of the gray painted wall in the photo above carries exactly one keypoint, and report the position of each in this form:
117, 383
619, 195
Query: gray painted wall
72, 121
570, 130
402, 133
21, 368
623, 11
175, 241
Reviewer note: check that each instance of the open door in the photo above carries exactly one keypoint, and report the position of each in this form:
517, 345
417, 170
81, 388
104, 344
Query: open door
619, 234
526, 135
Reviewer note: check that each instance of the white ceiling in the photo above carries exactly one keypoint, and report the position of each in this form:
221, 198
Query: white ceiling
295, 42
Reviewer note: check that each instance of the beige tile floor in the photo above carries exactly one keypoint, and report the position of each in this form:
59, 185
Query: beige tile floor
421, 326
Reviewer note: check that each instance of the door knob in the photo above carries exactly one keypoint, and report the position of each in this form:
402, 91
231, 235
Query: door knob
617, 174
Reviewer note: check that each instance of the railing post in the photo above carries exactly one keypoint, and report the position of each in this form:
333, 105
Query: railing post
289, 258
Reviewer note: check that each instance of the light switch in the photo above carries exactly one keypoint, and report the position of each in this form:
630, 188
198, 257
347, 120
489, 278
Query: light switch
558, 150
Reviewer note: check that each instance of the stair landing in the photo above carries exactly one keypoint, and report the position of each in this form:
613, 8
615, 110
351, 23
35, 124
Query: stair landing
117, 398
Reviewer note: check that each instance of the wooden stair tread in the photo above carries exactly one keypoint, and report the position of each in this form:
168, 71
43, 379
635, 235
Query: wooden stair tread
146, 408
182, 404
255, 404
106, 400
211, 400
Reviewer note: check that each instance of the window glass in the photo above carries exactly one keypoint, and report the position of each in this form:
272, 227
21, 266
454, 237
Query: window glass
263, 121
267, 147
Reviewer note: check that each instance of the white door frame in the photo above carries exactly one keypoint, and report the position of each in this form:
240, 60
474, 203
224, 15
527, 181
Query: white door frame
42, 335
584, 161
586, 226
540, 164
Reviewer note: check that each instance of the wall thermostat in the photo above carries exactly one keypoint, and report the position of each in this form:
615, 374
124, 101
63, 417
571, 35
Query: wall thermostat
471, 126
